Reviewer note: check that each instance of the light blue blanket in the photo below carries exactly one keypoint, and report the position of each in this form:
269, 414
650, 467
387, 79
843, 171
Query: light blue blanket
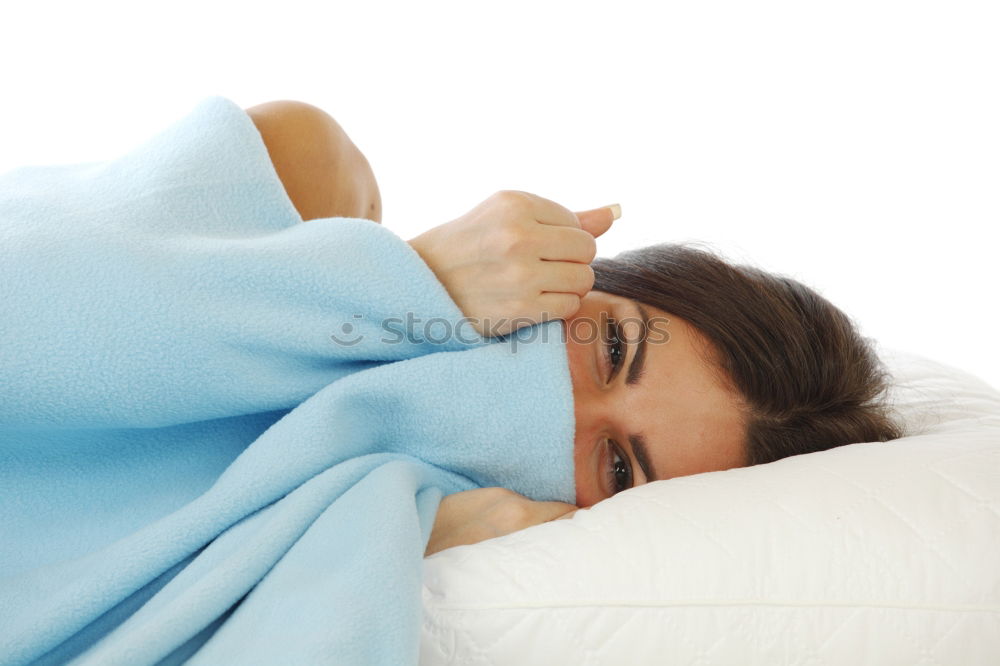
192, 467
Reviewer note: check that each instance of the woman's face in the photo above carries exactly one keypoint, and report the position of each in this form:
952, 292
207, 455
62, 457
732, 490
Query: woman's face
659, 409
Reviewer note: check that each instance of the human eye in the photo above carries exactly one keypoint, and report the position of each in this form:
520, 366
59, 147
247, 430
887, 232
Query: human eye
614, 350
619, 474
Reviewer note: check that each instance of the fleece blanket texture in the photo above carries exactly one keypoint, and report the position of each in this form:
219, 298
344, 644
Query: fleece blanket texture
225, 433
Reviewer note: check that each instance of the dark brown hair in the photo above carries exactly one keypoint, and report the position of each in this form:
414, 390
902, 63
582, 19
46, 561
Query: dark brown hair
807, 379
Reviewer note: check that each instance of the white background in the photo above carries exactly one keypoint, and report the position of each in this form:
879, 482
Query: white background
853, 145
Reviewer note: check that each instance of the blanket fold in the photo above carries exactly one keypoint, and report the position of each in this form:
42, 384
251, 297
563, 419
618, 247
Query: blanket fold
187, 253
224, 434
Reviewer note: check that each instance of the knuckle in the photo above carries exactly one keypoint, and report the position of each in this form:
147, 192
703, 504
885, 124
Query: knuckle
588, 277
501, 196
511, 197
566, 304
510, 238
590, 247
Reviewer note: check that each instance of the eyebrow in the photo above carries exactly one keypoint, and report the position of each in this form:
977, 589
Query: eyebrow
635, 370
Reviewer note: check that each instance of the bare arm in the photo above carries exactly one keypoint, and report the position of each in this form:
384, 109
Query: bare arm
324, 173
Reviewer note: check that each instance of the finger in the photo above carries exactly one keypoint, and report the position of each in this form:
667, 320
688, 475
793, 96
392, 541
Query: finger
549, 212
565, 244
567, 277
599, 220
556, 305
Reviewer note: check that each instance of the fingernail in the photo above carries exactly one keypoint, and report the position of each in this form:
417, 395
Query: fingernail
616, 210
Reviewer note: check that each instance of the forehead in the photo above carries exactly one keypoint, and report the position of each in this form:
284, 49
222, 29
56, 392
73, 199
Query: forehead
682, 406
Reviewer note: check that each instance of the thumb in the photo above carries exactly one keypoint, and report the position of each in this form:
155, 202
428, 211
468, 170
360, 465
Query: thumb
599, 220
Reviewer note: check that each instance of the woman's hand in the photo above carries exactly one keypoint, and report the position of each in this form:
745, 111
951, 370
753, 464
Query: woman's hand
515, 260
484, 513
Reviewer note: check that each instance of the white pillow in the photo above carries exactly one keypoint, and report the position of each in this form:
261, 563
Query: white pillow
878, 553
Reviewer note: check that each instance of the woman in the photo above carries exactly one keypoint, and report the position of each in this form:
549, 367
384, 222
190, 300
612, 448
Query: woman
208, 448
759, 366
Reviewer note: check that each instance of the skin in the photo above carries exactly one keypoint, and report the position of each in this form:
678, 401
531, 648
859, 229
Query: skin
690, 421
322, 170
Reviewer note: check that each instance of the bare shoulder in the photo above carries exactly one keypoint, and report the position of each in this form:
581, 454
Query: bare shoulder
324, 173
